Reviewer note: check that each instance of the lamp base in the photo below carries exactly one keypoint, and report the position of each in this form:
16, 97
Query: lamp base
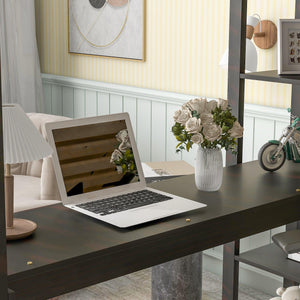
22, 228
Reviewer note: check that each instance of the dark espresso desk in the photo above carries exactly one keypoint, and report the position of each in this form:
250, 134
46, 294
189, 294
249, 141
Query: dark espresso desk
70, 250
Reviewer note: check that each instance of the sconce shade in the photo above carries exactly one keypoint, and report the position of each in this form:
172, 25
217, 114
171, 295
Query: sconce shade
21, 140
252, 21
251, 53
251, 58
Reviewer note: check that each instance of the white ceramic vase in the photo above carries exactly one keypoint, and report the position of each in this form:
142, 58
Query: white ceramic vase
208, 169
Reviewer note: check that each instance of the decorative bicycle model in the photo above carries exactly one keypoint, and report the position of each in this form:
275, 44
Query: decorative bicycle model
273, 154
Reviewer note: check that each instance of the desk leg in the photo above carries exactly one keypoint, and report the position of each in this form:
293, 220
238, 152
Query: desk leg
178, 279
230, 271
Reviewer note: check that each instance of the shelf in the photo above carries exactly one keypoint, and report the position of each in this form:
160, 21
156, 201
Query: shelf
272, 259
272, 76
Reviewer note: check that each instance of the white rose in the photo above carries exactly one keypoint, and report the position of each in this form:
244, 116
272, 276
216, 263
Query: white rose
222, 103
197, 138
125, 145
182, 116
196, 104
122, 135
210, 106
116, 155
236, 131
119, 170
193, 125
206, 118
176, 115
212, 132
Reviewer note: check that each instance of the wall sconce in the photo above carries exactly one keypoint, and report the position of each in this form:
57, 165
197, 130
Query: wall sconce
264, 35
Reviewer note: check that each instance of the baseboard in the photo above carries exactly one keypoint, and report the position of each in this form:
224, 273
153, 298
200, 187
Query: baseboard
248, 275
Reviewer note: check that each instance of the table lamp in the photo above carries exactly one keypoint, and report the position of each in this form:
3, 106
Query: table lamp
21, 143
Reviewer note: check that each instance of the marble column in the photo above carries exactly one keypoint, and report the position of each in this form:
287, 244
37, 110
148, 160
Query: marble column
179, 279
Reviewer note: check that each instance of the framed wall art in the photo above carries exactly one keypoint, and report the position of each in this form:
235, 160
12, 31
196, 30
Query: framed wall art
111, 28
289, 46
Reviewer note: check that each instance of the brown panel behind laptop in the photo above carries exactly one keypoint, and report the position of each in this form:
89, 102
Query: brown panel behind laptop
86, 131
78, 149
84, 153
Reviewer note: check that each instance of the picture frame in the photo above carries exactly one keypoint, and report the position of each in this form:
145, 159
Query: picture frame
107, 28
289, 46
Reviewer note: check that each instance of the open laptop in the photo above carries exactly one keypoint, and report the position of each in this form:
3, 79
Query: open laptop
99, 172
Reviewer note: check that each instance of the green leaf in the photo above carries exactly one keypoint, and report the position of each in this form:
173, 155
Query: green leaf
188, 146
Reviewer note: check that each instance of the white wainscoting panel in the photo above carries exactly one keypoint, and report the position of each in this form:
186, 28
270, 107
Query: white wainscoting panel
151, 113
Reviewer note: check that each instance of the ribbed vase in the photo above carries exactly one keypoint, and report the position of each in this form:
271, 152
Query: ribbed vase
208, 169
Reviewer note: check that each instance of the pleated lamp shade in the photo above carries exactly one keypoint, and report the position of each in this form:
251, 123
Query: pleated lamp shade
22, 142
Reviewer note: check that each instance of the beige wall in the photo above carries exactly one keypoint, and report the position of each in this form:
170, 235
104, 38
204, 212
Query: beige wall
184, 42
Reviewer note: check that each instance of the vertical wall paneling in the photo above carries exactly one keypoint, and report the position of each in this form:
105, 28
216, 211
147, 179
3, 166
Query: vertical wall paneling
130, 107
90, 103
155, 114
79, 103
279, 126
68, 102
158, 131
248, 139
116, 103
263, 131
103, 103
277, 230
170, 140
144, 129
56, 100
189, 157
47, 98
219, 250
259, 240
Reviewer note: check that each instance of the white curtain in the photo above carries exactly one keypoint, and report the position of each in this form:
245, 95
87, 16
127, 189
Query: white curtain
20, 67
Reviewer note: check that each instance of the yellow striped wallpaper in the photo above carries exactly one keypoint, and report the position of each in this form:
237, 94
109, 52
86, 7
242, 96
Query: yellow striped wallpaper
184, 43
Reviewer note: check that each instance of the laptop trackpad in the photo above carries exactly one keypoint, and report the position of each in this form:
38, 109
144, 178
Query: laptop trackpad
142, 214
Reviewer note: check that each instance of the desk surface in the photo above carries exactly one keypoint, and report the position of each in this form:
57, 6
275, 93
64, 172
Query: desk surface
70, 250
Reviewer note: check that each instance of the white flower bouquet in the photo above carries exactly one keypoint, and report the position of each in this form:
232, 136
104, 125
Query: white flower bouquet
122, 157
209, 124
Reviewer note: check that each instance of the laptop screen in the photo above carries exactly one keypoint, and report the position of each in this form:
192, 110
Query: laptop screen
95, 157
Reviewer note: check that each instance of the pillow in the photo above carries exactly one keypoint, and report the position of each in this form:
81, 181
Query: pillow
49, 188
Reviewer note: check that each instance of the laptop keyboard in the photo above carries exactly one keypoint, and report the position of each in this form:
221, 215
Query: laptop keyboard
123, 202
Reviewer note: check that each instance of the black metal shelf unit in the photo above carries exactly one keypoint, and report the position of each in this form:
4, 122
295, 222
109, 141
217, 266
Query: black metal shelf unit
271, 76
236, 87
271, 259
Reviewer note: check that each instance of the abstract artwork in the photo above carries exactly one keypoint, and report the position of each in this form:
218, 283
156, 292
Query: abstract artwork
112, 28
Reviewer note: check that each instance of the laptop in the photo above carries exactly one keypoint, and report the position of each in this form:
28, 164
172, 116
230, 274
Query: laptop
99, 172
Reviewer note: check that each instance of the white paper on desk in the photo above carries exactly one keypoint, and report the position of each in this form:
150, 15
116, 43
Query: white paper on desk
149, 172
294, 256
